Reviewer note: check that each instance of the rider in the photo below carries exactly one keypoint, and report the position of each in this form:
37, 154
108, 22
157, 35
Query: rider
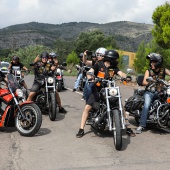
16, 63
53, 59
43, 65
80, 74
108, 62
155, 69
99, 55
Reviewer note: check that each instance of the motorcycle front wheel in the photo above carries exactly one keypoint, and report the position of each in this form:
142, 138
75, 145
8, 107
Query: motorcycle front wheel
33, 121
117, 130
52, 107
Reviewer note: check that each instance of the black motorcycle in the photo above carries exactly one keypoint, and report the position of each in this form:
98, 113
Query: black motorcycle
107, 113
46, 96
60, 83
19, 77
159, 112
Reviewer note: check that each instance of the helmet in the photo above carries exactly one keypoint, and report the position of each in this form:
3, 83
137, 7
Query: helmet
15, 58
80, 55
53, 55
111, 55
155, 57
101, 50
44, 55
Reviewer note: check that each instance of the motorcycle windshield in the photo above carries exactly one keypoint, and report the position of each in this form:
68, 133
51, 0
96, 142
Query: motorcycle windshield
12, 82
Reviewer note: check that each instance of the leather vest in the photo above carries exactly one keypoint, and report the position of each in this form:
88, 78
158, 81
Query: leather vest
160, 74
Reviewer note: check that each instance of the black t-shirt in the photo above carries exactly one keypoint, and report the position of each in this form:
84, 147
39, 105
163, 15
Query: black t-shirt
100, 67
17, 66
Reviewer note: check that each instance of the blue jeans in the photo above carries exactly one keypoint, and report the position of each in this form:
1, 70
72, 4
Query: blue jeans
88, 89
78, 81
148, 98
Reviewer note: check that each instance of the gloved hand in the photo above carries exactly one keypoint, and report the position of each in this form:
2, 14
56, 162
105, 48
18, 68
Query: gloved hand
128, 78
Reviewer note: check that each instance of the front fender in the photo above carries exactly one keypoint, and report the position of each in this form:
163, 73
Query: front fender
26, 102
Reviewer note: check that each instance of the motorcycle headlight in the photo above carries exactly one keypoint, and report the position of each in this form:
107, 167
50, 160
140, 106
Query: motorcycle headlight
50, 80
168, 91
19, 92
58, 70
112, 92
18, 72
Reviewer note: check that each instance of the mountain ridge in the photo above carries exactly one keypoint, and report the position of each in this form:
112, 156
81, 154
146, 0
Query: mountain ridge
128, 35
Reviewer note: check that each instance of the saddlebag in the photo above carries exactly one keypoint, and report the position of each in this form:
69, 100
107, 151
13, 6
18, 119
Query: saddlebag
134, 103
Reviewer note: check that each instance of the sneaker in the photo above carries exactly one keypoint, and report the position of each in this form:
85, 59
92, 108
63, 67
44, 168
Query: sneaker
82, 98
130, 132
139, 130
80, 133
62, 110
74, 90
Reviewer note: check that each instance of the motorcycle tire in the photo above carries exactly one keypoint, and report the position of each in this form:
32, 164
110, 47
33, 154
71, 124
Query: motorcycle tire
59, 88
52, 107
33, 123
117, 130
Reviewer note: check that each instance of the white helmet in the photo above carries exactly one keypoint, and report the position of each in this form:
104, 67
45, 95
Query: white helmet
101, 50
53, 55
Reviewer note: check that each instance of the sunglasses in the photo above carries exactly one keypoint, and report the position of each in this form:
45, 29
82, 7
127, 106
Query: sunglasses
99, 55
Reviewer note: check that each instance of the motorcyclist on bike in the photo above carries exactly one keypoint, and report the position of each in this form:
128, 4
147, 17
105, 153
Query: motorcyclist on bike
43, 66
16, 63
53, 59
155, 69
108, 62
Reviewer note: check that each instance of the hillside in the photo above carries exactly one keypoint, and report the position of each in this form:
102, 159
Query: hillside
128, 35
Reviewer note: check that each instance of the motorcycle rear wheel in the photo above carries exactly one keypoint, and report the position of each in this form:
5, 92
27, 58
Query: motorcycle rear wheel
117, 130
59, 86
33, 123
52, 107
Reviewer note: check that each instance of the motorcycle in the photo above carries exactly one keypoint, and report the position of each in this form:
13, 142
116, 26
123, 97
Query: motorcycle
18, 74
25, 116
60, 84
107, 113
82, 70
46, 96
159, 112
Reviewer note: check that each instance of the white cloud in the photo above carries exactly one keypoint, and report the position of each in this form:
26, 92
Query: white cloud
62, 11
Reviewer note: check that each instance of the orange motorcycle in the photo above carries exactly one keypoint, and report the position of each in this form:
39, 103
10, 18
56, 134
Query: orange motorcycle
25, 116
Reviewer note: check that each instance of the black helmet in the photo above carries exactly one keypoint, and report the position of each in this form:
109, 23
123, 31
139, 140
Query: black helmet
15, 58
53, 55
111, 55
44, 55
155, 57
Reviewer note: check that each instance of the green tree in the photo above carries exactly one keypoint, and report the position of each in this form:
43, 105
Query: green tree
28, 54
93, 40
161, 30
72, 58
140, 60
63, 48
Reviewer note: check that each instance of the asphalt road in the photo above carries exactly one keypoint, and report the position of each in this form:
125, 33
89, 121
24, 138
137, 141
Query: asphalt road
55, 146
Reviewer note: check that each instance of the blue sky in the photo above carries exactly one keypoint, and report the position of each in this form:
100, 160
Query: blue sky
63, 11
